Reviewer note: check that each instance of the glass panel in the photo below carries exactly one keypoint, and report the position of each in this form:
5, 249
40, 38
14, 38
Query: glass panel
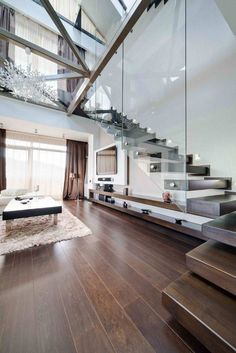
211, 72
106, 98
154, 99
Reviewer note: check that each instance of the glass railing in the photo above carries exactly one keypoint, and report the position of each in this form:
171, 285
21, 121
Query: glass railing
91, 25
129, 102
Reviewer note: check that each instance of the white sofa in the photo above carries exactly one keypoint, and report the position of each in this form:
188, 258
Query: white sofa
9, 194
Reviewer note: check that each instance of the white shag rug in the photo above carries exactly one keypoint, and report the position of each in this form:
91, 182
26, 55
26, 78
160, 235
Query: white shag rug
35, 231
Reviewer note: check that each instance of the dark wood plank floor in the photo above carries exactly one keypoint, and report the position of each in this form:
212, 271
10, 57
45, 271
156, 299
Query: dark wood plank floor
97, 294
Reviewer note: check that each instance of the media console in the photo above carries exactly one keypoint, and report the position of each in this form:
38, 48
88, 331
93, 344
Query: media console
154, 217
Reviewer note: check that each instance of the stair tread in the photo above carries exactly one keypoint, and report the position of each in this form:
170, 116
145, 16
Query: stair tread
215, 262
203, 170
216, 198
212, 206
198, 184
222, 229
210, 316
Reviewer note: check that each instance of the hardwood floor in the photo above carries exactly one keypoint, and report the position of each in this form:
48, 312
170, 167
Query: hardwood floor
97, 294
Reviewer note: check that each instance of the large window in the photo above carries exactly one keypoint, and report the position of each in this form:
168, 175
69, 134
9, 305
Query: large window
33, 161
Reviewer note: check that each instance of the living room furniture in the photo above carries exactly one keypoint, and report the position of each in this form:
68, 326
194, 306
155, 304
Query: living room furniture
8, 194
35, 207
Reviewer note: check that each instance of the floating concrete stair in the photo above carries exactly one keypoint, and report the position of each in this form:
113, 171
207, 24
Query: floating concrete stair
222, 229
191, 170
203, 170
151, 157
204, 310
215, 262
198, 184
212, 206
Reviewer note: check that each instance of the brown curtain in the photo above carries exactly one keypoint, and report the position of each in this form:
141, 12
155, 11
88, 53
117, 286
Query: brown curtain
2, 159
76, 154
65, 90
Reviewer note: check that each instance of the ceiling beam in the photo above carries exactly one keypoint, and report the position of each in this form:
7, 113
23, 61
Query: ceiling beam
14, 39
65, 76
52, 13
127, 25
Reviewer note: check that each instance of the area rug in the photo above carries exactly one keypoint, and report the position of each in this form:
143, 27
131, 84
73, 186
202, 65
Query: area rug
35, 231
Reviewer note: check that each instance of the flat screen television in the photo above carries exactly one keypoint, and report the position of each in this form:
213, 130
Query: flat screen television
106, 161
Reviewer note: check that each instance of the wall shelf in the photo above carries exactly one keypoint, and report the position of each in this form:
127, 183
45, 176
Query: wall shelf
162, 220
137, 198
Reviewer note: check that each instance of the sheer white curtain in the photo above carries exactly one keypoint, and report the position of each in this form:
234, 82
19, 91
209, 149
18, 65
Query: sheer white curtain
48, 172
67, 8
35, 160
17, 168
33, 32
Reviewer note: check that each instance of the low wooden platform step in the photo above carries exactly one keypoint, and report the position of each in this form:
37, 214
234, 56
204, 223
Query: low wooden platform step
222, 229
208, 312
215, 262
212, 206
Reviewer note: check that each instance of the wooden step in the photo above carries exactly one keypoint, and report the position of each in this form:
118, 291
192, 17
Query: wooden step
202, 170
222, 229
198, 184
205, 310
215, 262
191, 170
212, 206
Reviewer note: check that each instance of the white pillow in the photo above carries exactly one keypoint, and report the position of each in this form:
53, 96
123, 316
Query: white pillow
13, 192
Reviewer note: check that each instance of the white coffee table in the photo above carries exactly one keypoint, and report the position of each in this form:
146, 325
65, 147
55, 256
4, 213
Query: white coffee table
35, 207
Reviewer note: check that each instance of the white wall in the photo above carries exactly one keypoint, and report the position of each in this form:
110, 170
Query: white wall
154, 89
212, 89
119, 179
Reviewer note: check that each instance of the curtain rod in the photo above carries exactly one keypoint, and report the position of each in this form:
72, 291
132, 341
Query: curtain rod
36, 134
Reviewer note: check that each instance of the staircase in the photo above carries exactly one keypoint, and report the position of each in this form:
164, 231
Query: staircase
174, 171
203, 299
